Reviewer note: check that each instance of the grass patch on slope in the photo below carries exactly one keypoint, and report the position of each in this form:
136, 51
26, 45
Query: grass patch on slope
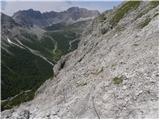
117, 80
150, 6
154, 4
144, 23
130, 5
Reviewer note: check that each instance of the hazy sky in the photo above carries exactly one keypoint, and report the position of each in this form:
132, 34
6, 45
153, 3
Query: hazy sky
11, 6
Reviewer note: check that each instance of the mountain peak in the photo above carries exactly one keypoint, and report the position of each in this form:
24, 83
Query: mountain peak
28, 12
74, 8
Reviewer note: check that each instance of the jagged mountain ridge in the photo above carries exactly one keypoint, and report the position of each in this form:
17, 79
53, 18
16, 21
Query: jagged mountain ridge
31, 17
112, 74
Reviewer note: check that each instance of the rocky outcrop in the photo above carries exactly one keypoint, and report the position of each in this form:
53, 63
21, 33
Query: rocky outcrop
112, 74
60, 64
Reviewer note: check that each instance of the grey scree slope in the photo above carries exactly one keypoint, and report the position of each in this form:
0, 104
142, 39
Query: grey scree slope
85, 86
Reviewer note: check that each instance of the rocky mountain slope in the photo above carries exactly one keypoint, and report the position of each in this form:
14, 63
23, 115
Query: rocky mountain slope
31, 17
112, 74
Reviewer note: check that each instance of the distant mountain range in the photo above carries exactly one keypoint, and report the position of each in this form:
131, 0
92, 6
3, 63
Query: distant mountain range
31, 17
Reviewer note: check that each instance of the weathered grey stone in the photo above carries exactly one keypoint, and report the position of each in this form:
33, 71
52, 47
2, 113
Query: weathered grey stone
24, 114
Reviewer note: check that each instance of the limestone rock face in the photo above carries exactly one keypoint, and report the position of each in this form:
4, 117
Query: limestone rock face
112, 74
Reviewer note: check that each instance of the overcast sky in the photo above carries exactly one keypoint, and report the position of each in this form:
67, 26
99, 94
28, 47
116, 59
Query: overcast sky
11, 6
